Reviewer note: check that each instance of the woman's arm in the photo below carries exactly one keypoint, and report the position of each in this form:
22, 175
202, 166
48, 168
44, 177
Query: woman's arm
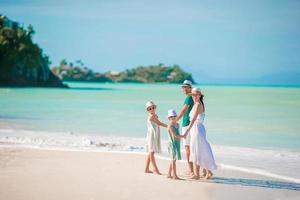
156, 120
193, 119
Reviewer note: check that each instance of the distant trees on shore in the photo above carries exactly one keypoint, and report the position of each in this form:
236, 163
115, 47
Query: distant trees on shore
141, 74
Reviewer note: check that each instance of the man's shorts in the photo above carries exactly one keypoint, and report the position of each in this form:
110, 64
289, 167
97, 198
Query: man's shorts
187, 140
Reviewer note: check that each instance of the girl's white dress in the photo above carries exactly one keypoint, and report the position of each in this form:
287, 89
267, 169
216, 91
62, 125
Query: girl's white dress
153, 137
200, 150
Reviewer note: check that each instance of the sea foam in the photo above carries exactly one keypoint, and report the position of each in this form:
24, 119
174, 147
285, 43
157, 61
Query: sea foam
275, 163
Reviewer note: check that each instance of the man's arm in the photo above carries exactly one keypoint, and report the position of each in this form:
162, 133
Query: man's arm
183, 110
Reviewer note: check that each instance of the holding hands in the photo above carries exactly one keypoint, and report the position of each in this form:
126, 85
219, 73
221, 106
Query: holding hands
171, 131
186, 133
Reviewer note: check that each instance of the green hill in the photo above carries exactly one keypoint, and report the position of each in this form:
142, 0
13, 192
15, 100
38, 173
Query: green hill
149, 74
22, 62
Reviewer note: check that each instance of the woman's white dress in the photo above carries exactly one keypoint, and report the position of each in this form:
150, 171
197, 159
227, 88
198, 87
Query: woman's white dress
153, 137
200, 150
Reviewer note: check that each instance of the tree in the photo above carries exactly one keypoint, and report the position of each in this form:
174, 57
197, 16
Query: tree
30, 31
80, 63
63, 62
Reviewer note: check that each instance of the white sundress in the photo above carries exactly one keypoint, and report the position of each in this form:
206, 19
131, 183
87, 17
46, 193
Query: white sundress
200, 150
153, 137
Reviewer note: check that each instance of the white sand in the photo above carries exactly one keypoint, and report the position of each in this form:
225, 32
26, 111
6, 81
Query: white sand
31, 174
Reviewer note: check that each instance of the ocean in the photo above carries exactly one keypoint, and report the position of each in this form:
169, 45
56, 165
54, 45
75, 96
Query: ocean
251, 128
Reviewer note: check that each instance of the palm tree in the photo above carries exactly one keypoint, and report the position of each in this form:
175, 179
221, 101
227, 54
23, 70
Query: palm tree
63, 62
30, 30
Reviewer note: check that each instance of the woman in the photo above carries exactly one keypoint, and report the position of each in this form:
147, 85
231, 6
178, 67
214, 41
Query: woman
201, 153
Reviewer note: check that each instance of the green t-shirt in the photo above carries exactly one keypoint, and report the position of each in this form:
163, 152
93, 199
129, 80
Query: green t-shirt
186, 118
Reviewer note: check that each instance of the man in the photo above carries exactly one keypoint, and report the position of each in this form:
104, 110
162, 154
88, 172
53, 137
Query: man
185, 111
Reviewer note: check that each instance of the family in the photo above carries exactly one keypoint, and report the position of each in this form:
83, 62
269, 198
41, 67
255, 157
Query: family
197, 148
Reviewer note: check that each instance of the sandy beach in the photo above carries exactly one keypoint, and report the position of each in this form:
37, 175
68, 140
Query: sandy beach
53, 174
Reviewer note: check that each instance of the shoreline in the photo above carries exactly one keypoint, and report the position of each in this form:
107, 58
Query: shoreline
44, 174
196, 84
21, 134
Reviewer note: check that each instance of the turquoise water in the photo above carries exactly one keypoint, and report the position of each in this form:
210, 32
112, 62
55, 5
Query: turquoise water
263, 117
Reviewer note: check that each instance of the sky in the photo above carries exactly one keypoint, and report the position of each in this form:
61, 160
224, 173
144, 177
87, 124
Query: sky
217, 41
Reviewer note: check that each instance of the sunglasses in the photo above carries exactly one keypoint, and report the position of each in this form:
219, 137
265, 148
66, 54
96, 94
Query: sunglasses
185, 86
151, 108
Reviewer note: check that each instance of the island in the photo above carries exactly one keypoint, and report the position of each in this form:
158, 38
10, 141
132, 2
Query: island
141, 74
22, 62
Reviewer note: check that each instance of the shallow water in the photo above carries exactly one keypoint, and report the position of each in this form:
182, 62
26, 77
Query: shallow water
238, 116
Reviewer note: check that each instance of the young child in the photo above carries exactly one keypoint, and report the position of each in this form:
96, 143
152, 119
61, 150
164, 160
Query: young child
174, 143
153, 137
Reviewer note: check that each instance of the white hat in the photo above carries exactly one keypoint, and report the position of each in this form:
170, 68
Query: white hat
187, 83
196, 91
172, 113
150, 103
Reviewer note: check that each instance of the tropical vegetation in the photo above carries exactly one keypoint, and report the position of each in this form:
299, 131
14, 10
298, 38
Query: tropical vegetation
142, 74
22, 62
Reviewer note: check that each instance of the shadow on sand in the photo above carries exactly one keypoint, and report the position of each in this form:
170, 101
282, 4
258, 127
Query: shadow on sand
252, 182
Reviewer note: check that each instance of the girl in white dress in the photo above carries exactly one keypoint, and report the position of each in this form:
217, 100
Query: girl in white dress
201, 153
153, 137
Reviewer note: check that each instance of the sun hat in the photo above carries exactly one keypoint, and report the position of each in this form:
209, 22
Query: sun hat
150, 103
187, 83
196, 91
172, 113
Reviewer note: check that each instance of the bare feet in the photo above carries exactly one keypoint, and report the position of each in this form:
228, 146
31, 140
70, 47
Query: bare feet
148, 171
157, 172
195, 177
208, 175
176, 178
